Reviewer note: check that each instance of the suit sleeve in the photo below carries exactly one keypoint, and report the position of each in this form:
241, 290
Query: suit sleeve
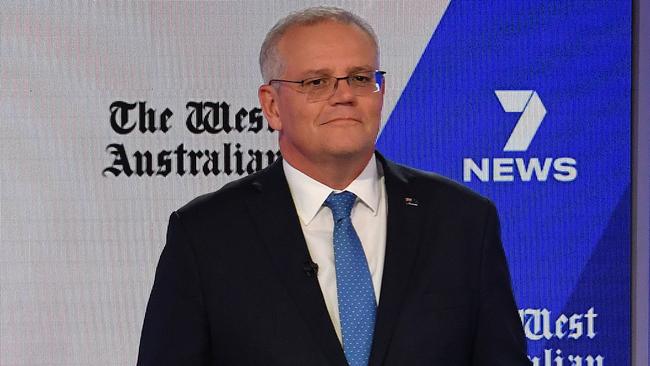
175, 330
500, 339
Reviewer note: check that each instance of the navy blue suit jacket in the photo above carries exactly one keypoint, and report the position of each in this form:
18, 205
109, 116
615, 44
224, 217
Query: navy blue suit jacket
232, 288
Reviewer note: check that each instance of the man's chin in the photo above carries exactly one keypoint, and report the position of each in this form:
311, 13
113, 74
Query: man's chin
349, 152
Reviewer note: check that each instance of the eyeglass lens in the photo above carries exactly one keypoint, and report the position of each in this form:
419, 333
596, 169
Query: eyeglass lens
363, 83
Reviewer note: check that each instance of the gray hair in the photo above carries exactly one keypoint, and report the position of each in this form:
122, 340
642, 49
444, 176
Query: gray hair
270, 62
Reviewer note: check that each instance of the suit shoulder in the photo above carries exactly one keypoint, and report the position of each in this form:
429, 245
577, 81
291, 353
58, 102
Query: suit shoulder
441, 188
228, 197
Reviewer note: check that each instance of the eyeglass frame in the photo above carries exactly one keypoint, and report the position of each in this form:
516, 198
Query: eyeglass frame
336, 82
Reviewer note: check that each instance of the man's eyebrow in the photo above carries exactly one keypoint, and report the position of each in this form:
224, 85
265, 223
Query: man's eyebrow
361, 68
312, 72
350, 70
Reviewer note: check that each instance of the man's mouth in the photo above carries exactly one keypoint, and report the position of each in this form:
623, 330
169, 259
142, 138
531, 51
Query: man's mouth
342, 120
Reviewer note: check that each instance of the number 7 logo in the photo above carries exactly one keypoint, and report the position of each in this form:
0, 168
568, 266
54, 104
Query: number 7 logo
528, 102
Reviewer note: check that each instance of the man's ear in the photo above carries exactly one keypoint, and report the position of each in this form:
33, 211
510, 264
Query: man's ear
268, 97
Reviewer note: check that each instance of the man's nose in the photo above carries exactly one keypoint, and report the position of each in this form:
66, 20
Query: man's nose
343, 93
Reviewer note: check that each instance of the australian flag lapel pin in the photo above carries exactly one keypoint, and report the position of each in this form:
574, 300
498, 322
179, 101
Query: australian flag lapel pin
410, 201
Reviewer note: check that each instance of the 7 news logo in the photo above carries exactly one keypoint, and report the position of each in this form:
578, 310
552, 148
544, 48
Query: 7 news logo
528, 103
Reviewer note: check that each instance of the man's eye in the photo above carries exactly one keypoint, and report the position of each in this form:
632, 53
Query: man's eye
315, 83
362, 78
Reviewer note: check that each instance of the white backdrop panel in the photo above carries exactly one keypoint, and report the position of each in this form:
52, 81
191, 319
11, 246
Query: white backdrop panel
77, 249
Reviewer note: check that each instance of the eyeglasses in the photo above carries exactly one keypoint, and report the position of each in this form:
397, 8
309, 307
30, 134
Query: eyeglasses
323, 87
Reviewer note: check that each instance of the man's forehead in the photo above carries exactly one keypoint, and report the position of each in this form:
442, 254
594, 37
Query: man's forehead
299, 32
308, 50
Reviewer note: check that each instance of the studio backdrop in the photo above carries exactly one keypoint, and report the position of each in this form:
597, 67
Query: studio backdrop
112, 115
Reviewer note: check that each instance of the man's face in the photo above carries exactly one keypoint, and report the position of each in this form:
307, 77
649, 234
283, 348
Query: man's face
343, 126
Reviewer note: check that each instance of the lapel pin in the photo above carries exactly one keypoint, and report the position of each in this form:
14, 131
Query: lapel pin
410, 201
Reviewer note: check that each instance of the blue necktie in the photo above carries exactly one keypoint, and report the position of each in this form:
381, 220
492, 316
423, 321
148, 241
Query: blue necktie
356, 297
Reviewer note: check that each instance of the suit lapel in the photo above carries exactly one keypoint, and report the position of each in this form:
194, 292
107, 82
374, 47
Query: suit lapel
402, 234
275, 218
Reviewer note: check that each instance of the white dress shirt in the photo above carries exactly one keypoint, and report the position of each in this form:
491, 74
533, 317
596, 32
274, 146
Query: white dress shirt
368, 217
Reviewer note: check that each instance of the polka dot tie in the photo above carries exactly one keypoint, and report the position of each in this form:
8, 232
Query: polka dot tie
356, 297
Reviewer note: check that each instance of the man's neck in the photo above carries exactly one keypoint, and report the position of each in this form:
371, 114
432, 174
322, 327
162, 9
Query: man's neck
334, 173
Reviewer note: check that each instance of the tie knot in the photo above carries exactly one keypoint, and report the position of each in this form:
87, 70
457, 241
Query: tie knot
340, 204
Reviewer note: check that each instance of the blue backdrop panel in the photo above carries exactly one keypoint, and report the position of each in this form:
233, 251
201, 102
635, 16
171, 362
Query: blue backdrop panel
528, 103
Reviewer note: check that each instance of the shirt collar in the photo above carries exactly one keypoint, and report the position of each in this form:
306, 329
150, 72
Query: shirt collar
309, 194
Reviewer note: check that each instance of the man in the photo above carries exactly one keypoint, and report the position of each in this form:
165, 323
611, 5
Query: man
333, 255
